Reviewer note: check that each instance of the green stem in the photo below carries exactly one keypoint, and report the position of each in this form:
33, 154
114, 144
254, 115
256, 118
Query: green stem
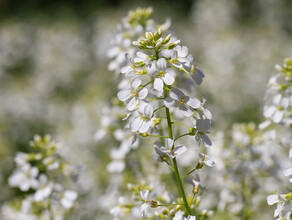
189, 173
180, 186
180, 123
182, 135
159, 108
148, 83
160, 136
176, 171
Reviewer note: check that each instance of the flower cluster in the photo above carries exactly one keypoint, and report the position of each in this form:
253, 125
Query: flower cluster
132, 27
279, 95
244, 170
280, 112
158, 106
41, 176
146, 197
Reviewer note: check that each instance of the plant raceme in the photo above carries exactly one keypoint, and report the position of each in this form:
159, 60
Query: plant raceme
278, 111
159, 105
41, 176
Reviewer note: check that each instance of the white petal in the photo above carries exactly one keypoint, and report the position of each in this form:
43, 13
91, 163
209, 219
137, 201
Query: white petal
67, 204
136, 83
158, 84
288, 172
143, 93
144, 194
70, 194
132, 104
207, 114
148, 111
176, 93
184, 51
194, 103
170, 103
143, 208
203, 125
126, 69
145, 125
168, 79
272, 199
186, 111
277, 117
269, 111
206, 140
198, 139
166, 53
151, 69
168, 143
161, 64
135, 124
124, 95
141, 55
198, 76
179, 150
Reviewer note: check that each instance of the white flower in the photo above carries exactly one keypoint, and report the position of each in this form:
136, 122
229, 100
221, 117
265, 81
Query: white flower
24, 177
68, 198
280, 200
205, 159
197, 75
51, 163
21, 158
143, 122
142, 58
288, 173
178, 215
167, 150
132, 96
181, 57
203, 126
145, 205
190, 217
105, 123
44, 189
185, 104
161, 74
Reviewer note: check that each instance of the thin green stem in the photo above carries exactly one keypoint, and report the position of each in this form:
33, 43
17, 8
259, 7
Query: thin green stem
159, 108
171, 204
153, 135
182, 135
180, 186
151, 100
176, 171
189, 173
148, 83
51, 214
180, 123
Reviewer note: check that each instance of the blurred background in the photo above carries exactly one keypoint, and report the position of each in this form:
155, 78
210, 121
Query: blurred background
54, 78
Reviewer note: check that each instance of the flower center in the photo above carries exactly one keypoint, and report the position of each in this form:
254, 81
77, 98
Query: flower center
134, 93
160, 74
142, 117
182, 101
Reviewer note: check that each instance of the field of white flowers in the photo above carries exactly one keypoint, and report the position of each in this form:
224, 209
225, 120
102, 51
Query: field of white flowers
140, 113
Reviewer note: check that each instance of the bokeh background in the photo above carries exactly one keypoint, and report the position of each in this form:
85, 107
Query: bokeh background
54, 78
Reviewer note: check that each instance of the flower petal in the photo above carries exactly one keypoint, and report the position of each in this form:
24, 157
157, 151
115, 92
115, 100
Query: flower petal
143, 93
168, 79
194, 103
132, 104
124, 95
136, 83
